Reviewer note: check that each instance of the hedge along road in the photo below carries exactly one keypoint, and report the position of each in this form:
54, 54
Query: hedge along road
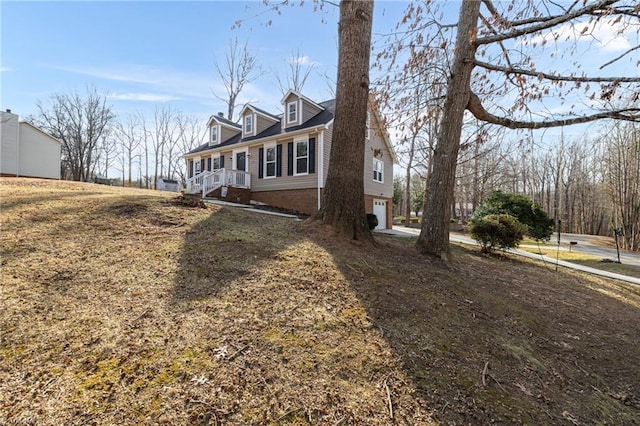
629, 258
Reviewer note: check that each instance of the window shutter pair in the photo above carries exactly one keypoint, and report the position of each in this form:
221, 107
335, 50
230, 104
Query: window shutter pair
278, 161
311, 153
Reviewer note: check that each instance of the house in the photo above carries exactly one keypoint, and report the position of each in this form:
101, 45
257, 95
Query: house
168, 185
282, 160
26, 150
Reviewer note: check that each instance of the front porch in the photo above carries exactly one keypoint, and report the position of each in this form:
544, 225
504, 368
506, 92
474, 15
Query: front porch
209, 181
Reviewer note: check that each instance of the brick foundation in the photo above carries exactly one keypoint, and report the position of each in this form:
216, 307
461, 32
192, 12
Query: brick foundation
301, 200
306, 201
234, 195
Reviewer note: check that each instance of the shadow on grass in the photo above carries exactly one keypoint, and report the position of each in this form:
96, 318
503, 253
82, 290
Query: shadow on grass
225, 247
484, 341
499, 339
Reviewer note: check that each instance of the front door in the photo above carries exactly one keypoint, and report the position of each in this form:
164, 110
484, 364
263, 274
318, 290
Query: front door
241, 161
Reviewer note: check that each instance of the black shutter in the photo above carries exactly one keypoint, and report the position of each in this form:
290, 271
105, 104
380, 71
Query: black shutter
202, 165
222, 161
290, 159
261, 163
312, 155
190, 168
209, 164
279, 160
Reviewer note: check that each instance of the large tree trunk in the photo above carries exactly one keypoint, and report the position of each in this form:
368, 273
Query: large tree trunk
434, 235
343, 199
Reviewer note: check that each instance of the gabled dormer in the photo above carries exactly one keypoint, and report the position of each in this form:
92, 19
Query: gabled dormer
298, 109
221, 129
255, 120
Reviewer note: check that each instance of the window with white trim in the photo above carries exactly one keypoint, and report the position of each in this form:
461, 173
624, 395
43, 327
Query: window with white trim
301, 157
216, 163
214, 134
378, 171
248, 124
292, 112
270, 157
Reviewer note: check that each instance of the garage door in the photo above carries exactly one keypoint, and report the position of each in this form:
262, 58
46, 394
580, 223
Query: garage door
380, 210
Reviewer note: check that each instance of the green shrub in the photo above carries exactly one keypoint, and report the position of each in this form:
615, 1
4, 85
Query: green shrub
372, 220
538, 225
497, 231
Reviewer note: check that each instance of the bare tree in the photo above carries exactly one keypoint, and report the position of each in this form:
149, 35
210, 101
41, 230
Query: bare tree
189, 135
107, 152
239, 68
342, 204
161, 137
496, 46
145, 146
129, 137
623, 176
298, 71
79, 122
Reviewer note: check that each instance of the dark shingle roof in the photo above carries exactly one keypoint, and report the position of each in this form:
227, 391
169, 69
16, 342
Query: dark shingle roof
223, 120
323, 117
268, 114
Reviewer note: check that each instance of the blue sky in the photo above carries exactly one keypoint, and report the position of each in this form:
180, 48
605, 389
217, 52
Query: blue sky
148, 53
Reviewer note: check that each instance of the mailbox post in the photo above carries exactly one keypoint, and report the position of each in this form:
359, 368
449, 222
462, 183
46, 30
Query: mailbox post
618, 232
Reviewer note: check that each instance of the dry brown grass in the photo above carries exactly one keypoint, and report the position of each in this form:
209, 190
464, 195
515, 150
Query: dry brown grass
119, 307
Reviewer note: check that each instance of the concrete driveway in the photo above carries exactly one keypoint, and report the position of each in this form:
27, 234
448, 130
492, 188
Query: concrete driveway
582, 240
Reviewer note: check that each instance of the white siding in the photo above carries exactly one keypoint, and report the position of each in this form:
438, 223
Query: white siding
26, 151
39, 153
9, 149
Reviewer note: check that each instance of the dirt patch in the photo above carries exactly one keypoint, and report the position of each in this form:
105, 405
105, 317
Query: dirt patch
122, 308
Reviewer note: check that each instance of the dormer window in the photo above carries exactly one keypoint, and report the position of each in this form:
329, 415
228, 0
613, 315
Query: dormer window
248, 124
292, 112
213, 139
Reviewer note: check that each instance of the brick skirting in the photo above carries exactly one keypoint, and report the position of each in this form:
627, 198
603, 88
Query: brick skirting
301, 200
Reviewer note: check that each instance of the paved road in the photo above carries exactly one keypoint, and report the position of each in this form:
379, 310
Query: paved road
411, 232
585, 245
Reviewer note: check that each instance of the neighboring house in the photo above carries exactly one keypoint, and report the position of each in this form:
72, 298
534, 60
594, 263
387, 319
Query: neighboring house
26, 150
282, 160
168, 185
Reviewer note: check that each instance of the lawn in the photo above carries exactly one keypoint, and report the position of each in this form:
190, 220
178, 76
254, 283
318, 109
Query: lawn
120, 306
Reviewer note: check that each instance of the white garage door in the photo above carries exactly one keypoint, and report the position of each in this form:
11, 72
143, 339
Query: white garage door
380, 210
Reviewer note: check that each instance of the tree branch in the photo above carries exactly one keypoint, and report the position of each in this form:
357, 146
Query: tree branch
551, 22
620, 57
510, 24
555, 77
477, 109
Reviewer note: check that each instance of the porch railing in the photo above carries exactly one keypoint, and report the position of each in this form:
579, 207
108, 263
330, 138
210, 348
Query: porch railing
208, 181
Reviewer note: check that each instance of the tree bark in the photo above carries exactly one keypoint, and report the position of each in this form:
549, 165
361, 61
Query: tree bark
434, 235
343, 199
